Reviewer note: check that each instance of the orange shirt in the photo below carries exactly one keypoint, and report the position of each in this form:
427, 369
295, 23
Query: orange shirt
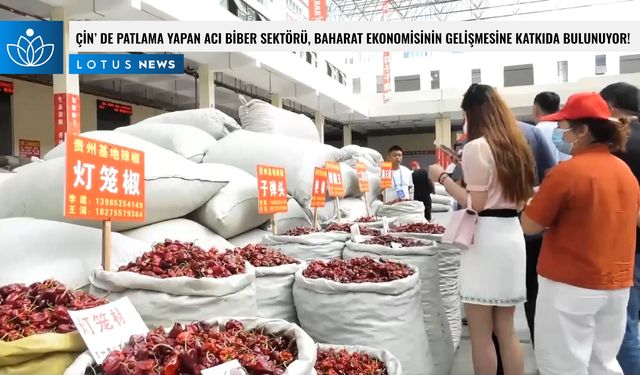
590, 206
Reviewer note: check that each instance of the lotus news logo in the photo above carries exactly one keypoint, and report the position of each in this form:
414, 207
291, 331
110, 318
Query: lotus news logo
31, 51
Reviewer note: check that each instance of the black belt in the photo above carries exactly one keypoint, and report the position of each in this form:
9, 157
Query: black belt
499, 212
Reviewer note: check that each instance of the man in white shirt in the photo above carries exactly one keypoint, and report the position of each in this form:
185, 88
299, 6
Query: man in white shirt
401, 180
546, 103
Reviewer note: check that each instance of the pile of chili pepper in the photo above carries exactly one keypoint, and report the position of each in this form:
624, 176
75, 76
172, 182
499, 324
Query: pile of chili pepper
300, 231
262, 256
40, 308
341, 362
357, 270
365, 231
430, 228
387, 240
174, 259
366, 219
192, 348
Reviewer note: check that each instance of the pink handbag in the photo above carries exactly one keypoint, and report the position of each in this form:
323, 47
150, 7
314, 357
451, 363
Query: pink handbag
462, 227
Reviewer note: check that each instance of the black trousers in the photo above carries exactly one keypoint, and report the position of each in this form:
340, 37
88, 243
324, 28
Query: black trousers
533, 246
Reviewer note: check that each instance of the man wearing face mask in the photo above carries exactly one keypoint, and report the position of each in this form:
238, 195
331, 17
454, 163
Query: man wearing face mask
624, 101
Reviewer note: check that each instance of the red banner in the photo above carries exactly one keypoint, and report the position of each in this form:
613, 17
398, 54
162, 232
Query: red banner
386, 62
6, 87
320, 182
66, 114
317, 10
443, 158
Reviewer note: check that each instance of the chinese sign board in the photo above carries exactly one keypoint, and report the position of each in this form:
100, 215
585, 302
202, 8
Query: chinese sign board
28, 148
108, 327
104, 105
363, 177
320, 181
386, 77
336, 186
6, 87
385, 175
103, 181
66, 112
272, 190
443, 158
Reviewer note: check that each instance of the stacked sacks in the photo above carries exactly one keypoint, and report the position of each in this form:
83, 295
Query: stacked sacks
406, 212
187, 141
211, 120
306, 244
258, 116
179, 229
245, 150
441, 200
174, 186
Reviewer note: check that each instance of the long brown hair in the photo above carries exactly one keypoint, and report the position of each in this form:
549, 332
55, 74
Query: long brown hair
489, 116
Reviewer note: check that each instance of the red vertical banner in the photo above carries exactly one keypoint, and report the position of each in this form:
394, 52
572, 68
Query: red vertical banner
442, 158
317, 10
386, 62
66, 115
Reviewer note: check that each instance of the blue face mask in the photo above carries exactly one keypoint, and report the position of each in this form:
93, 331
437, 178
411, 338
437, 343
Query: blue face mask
558, 140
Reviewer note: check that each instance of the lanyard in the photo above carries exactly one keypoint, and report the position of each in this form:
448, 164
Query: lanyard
395, 184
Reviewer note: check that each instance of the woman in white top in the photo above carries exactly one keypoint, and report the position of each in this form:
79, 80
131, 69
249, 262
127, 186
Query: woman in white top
498, 170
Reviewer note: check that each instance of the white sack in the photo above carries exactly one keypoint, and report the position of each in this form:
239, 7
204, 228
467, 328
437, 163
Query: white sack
310, 246
274, 291
390, 361
350, 209
187, 141
251, 237
234, 210
449, 266
245, 150
350, 181
441, 199
425, 259
382, 315
181, 230
34, 249
293, 218
353, 163
407, 212
437, 207
6, 176
303, 365
258, 116
375, 191
183, 299
216, 123
368, 155
174, 186
440, 190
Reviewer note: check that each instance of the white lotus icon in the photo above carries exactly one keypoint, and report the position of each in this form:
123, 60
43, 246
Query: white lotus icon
30, 52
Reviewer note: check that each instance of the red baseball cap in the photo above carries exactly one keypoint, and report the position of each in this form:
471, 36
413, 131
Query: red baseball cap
582, 105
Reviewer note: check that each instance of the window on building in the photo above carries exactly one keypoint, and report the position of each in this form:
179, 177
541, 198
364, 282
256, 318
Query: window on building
518, 75
601, 64
629, 64
476, 76
407, 83
379, 85
356, 85
435, 79
563, 71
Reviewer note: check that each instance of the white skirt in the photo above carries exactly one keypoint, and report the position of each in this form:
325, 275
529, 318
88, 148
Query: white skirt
493, 269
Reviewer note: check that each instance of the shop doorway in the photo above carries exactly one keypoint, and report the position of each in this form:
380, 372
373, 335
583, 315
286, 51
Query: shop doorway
6, 125
112, 115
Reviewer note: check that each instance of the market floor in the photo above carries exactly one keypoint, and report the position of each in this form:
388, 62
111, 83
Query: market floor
462, 364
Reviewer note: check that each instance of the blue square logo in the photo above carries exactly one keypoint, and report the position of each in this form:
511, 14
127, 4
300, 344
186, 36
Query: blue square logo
31, 47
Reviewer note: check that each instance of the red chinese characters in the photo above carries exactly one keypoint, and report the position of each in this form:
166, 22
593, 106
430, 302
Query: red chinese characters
272, 190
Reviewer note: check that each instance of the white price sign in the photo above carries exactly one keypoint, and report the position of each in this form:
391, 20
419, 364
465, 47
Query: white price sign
385, 225
355, 233
108, 327
227, 368
395, 245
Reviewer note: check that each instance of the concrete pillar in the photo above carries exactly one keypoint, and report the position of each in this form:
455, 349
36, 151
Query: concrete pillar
320, 125
276, 100
206, 87
66, 90
346, 135
443, 131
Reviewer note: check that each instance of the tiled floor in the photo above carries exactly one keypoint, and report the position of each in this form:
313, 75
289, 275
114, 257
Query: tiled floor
462, 364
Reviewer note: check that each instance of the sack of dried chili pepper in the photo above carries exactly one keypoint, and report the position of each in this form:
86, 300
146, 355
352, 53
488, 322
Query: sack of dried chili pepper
427, 231
423, 255
381, 314
37, 336
308, 245
358, 359
406, 212
262, 346
178, 281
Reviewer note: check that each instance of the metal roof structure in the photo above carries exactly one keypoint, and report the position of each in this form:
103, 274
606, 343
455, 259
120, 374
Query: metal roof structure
450, 10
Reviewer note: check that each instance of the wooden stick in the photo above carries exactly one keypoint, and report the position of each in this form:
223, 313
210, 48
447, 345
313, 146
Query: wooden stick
338, 208
274, 229
366, 203
106, 245
315, 218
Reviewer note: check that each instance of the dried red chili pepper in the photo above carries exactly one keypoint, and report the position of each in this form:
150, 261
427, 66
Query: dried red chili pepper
430, 228
357, 270
300, 231
262, 256
332, 362
387, 240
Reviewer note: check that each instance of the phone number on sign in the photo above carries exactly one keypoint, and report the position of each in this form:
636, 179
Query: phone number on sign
118, 203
